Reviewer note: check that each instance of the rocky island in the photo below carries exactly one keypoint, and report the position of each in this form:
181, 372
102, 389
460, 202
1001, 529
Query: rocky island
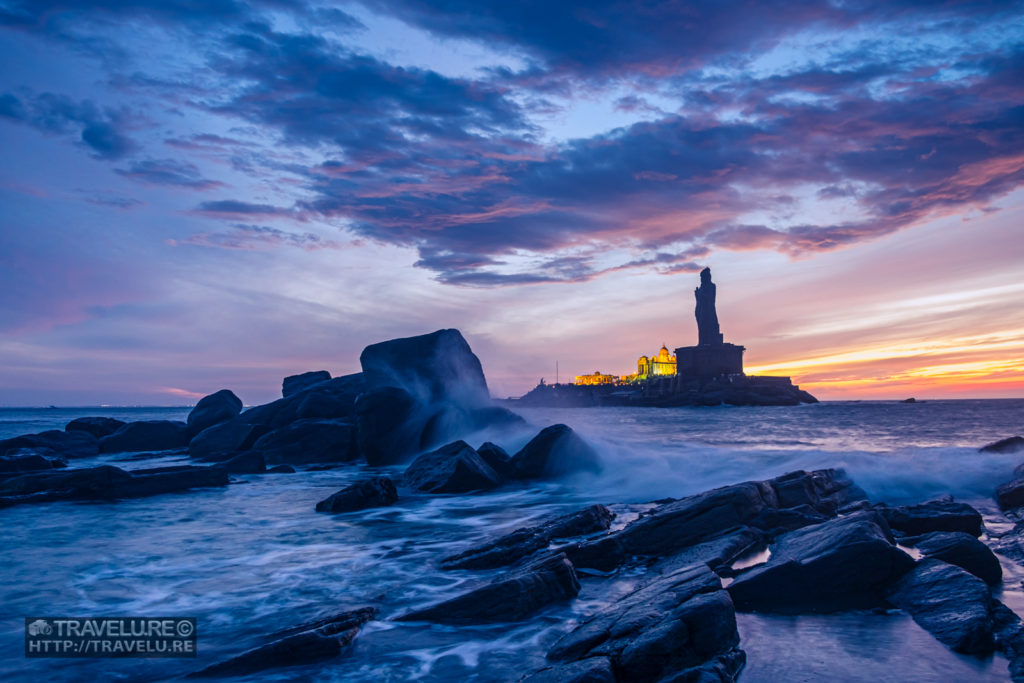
708, 374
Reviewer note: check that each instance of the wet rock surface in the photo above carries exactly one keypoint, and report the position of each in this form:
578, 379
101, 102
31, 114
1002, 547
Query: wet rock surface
73, 444
454, 468
935, 515
305, 644
511, 597
521, 543
950, 603
1013, 444
663, 631
557, 450
848, 562
370, 493
962, 550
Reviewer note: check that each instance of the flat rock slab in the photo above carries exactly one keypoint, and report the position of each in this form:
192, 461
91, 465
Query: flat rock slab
305, 644
520, 543
146, 435
370, 493
454, 468
1013, 444
591, 670
935, 515
512, 597
97, 426
674, 624
953, 605
73, 444
962, 550
847, 562
680, 524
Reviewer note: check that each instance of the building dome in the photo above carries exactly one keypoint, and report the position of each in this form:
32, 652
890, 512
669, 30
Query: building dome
663, 355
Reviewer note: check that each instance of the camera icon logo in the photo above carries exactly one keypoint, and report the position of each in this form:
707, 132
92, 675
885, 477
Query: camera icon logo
40, 627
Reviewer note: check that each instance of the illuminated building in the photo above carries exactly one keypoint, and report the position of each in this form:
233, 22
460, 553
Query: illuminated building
661, 363
596, 378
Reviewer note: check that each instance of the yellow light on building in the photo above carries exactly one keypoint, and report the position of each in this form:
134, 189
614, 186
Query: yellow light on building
597, 378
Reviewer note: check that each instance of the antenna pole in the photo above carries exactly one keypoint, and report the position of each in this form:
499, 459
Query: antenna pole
556, 372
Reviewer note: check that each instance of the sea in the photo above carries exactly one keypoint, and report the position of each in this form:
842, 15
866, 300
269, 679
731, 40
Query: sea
254, 557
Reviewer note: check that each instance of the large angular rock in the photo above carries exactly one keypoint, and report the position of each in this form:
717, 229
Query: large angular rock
323, 639
1010, 495
1013, 444
386, 428
370, 493
251, 462
310, 441
147, 435
99, 427
333, 399
848, 562
422, 391
225, 440
293, 384
664, 630
934, 515
73, 444
512, 597
520, 543
557, 450
953, 605
962, 550
454, 468
680, 524
106, 483
499, 460
218, 407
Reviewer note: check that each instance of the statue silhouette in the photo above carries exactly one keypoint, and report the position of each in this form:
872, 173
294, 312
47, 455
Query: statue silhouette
708, 332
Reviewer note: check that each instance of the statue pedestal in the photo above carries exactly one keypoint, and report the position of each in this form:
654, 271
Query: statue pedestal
709, 360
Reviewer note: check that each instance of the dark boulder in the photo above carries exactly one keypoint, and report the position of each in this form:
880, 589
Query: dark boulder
846, 562
1010, 495
73, 444
224, 440
106, 483
386, 430
293, 384
676, 623
557, 450
498, 459
147, 435
309, 441
218, 407
99, 427
27, 460
455, 468
680, 524
319, 640
934, 515
590, 670
719, 553
1012, 444
950, 603
512, 597
520, 543
962, 550
370, 493
251, 462
281, 469
333, 399
435, 368
422, 391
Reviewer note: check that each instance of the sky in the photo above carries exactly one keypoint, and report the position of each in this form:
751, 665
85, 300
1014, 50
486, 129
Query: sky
207, 194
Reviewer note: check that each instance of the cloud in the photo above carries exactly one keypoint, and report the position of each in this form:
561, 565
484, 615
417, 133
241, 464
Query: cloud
96, 128
256, 237
168, 172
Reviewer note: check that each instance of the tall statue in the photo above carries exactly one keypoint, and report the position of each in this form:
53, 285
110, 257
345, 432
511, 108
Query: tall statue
707, 319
